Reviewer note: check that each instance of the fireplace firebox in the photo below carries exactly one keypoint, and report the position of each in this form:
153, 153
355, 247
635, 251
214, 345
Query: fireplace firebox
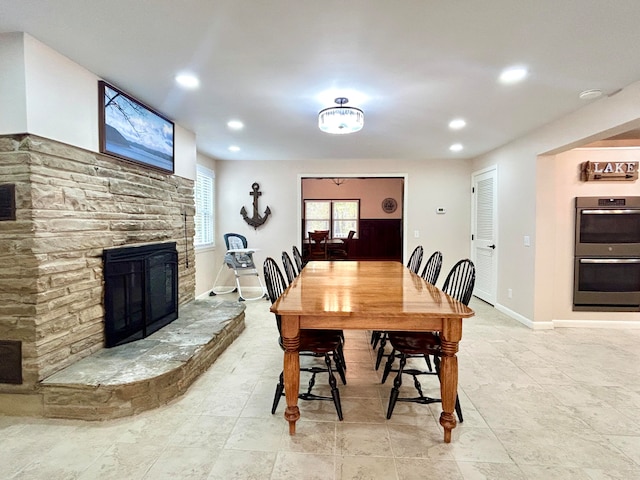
141, 291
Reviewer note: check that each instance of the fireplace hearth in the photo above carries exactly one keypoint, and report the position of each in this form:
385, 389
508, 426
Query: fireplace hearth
141, 291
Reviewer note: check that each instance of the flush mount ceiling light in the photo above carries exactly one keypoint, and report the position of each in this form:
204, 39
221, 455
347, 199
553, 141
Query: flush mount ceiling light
456, 147
341, 120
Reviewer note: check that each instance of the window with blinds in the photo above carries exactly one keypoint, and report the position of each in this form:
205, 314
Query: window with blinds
204, 197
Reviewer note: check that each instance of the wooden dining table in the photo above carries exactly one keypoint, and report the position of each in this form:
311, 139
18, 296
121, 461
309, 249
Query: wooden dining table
368, 295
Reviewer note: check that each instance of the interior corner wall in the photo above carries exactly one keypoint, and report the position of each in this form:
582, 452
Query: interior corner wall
207, 262
13, 98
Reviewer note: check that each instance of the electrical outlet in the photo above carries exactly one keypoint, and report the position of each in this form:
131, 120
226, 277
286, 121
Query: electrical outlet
510, 293
416, 233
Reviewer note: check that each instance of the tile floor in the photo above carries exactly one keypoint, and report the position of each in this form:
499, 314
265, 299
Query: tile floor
558, 404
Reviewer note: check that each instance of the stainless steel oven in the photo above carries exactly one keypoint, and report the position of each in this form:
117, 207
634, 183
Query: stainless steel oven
607, 254
608, 226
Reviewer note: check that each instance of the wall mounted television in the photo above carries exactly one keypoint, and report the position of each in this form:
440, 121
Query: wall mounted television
131, 131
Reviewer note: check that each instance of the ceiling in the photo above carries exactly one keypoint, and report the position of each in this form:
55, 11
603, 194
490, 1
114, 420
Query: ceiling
410, 65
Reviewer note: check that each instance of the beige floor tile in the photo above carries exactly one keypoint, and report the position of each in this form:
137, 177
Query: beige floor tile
360, 439
365, 468
422, 468
296, 466
242, 465
185, 463
492, 471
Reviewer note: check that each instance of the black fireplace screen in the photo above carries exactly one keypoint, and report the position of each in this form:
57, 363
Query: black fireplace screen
141, 291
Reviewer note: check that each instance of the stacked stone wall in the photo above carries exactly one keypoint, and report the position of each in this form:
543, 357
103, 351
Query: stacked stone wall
71, 204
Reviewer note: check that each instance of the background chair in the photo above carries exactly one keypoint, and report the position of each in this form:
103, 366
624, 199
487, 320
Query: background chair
342, 253
459, 285
289, 269
318, 245
315, 343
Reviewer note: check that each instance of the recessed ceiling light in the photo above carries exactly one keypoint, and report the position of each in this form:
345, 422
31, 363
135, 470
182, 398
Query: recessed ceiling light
234, 148
513, 75
457, 124
590, 94
456, 147
187, 80
235, 124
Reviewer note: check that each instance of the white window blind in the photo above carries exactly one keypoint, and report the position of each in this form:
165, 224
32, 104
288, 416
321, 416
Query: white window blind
204, 198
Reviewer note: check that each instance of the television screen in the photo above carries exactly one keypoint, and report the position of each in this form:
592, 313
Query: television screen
134, 132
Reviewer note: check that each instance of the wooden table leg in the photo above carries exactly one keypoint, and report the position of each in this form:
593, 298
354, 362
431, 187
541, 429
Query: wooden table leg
291, 342
449, 376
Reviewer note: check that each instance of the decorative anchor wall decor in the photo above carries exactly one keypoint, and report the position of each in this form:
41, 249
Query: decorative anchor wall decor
256, 220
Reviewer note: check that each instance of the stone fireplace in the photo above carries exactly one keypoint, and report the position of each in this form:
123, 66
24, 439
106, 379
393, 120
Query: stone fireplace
70, 205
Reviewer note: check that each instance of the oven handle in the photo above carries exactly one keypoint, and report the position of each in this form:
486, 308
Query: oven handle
610, 260
627, 211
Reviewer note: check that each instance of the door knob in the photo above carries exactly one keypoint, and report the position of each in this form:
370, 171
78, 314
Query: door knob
493, 246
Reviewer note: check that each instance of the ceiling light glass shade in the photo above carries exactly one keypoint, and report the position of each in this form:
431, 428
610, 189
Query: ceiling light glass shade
341, 120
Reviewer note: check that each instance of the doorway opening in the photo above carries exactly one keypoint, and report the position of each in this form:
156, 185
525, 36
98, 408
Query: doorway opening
379, 222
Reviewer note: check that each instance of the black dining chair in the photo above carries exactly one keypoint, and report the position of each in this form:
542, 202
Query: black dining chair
458, 285
289, 269
313, 343
297, 257
431, 270
415, 259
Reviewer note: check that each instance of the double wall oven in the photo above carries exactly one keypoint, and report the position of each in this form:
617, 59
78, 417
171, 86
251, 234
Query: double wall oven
607, 254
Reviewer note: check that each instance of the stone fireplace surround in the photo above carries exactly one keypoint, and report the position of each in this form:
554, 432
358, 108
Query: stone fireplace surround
71, 204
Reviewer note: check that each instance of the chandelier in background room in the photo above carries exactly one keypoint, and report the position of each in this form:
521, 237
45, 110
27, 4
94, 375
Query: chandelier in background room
341, 119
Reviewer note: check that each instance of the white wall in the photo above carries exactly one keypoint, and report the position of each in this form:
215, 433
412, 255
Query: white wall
13, 91
47, 94
526, 203
430, 184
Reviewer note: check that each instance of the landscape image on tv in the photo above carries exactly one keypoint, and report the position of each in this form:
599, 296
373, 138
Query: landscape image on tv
134, 132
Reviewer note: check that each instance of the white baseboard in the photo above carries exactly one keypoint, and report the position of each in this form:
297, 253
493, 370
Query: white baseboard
524, 320
615, 324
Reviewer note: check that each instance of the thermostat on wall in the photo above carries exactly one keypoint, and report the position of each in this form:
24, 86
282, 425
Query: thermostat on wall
441, 210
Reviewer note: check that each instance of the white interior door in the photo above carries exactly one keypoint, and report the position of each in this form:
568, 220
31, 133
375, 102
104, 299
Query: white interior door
484, 233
